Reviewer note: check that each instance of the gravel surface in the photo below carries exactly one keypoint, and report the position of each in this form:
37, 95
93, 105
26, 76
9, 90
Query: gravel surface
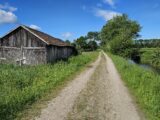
59, 107
98, 93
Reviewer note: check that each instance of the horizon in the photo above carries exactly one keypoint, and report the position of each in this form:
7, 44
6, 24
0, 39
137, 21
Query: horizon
72, 19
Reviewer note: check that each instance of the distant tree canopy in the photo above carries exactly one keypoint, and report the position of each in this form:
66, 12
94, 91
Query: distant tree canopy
81, 43
88, 42
147, 43
93, 36
118, 34
67, 41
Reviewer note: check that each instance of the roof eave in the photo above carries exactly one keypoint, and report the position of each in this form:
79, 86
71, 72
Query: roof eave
10, 31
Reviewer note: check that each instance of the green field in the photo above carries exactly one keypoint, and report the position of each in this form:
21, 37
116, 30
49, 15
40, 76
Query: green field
21, 86
144, 84
147, 57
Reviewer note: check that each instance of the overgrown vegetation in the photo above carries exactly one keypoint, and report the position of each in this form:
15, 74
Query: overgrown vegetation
156, 58
21, 86
143, 83
118, 34
151, 56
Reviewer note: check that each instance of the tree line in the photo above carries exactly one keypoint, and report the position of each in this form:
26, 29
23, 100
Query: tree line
118, 36
89, 42
147, 43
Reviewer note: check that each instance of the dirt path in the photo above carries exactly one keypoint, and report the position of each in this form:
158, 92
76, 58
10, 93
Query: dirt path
105, 97
59, 107
96, 94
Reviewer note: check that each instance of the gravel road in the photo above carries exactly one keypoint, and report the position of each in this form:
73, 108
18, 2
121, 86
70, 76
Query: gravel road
98, 93
59, 107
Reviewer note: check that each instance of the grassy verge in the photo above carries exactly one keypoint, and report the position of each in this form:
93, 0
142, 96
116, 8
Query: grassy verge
23, 86
144, 84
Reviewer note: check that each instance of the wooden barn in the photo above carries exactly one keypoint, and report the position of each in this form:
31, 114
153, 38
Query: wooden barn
25, 45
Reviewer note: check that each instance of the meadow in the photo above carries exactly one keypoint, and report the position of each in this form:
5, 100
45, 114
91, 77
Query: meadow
22, 86
144, 84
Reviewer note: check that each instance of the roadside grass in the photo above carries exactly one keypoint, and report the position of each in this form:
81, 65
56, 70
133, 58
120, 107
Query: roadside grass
23, 86
144, 84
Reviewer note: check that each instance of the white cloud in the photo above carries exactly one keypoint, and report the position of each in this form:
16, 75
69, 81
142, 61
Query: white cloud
7, 17
110, 2
67, 35
35, 27
6, 14
7, 7
107, 14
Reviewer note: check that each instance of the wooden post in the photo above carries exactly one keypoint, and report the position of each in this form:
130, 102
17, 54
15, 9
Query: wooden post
2, 58
21, 58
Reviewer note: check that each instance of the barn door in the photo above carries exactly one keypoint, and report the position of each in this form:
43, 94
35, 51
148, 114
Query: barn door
22, 58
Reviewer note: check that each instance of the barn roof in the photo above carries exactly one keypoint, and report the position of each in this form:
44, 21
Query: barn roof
48, 39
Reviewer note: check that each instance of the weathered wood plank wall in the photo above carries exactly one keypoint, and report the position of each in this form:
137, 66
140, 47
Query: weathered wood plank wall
55, 53
11, 54
28, 56
21, 37
35, 56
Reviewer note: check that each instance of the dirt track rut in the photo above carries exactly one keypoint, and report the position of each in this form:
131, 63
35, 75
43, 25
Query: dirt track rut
59, 107
98, 93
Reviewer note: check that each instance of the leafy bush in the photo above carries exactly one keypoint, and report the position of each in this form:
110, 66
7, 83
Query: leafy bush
151, 56
156, 58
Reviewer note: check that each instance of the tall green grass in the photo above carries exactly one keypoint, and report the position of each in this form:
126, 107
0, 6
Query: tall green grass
148, 56
144, 84
20, 86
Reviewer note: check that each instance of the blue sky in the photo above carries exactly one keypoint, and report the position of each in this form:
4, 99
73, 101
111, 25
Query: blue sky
69, 19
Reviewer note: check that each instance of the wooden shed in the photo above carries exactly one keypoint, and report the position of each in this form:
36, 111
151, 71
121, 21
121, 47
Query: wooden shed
25, 45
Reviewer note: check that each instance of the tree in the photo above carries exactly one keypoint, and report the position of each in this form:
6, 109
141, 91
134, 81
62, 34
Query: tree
88, 42
92, 45
68, 42
93, 36
81, 43
118, 33
92, 39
